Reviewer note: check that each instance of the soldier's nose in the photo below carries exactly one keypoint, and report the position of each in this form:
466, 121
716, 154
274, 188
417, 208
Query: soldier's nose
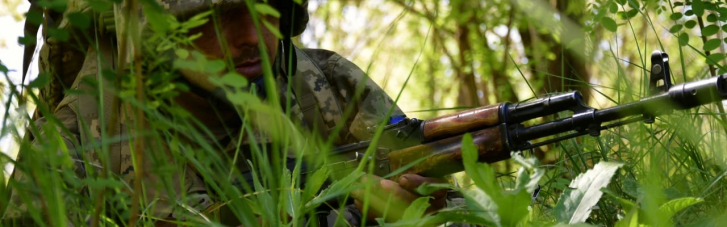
241, 31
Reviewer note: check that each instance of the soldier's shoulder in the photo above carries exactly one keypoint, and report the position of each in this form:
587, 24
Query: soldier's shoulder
333, 64
329, 60
320, 56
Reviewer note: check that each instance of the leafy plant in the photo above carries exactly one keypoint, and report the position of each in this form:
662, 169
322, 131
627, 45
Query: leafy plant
477, 53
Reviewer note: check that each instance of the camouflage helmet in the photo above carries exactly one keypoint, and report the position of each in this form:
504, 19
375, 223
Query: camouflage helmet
293, 19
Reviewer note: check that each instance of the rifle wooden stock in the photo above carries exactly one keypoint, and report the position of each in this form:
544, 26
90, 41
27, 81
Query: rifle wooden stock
461, 122
444, 156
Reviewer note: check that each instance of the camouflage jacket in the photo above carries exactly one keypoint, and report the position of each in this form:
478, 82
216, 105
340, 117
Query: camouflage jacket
330, 79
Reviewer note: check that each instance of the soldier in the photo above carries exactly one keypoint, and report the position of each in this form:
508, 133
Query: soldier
323, 86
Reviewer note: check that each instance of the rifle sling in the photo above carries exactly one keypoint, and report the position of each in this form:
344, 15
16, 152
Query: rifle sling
308, 106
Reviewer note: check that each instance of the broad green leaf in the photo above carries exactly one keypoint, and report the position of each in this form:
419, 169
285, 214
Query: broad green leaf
79, 20
266, 9
631, 220
514, 207
690, 24
627, 14
59, 34
634, 4
669, 209
27, 40
676, 16
683, 39
622, 2
3, 68
482, 205
181, 53
609, 24
528, 163
712, 44
613, 7
234, 79
214, 66
416, 209
632, 13
58, 6
469, 158
482, 174
709, 6
507, 208
157, 20
524, 179
722, 13
710, 30
427, 188
712, 18
34, 17
724, 28
676, 28
480, 199
574, 205
42, 80
721, 70
314, 183
698, 7
689, 13
99, 5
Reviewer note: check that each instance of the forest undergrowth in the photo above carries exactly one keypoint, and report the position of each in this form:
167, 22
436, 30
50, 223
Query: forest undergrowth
668, 173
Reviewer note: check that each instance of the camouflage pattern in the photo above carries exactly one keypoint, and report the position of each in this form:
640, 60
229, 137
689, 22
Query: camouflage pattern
61, 61
332, 78
285, 7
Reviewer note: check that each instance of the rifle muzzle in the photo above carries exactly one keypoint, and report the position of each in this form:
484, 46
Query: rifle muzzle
692, 94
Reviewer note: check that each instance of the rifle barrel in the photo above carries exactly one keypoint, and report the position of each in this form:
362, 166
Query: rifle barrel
679, 97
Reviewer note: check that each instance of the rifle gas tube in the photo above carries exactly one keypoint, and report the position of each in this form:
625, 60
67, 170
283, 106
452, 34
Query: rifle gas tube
433, 147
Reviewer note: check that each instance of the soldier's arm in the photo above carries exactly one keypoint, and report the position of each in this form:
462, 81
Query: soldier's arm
368, 102
370, 106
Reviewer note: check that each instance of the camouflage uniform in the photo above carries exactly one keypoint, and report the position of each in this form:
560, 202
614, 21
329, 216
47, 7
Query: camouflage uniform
330, 79
325, 84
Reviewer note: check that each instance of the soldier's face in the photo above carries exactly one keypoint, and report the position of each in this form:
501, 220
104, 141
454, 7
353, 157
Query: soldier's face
238, 37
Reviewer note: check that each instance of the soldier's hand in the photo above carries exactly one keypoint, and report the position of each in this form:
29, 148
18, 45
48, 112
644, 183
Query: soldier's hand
394, 197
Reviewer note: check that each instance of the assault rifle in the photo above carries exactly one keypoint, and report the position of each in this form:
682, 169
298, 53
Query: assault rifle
497, 130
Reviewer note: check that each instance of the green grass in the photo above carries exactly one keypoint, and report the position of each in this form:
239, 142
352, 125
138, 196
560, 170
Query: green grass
672, 172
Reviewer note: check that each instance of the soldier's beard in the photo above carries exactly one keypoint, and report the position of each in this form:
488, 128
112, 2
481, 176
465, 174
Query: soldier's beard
247, 53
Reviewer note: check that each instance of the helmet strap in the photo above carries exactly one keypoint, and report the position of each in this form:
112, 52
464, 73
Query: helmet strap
286, 58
